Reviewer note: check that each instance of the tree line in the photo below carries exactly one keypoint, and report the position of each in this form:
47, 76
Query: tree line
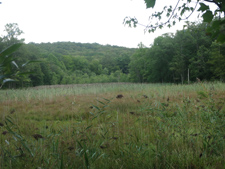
67, 62
172, 58
178, 58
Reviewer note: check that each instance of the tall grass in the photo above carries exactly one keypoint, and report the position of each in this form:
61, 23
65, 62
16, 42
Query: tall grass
62, 90
87, 126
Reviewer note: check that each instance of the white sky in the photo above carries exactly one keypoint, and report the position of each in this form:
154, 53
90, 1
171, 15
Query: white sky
85, 21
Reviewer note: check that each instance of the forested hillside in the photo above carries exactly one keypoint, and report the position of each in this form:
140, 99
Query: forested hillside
69, 63
172, 58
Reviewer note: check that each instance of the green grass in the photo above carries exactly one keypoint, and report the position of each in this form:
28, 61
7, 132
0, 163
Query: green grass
86, 126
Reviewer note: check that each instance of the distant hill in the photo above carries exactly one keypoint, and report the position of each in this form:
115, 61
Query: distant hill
82, 49
70, 63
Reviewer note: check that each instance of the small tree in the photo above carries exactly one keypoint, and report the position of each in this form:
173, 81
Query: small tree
13, 32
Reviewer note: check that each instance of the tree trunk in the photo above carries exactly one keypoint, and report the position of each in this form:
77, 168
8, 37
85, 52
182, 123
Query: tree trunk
182, 78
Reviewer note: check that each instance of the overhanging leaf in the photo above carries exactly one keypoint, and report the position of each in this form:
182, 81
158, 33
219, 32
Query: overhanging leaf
203, 7
150, 3
14, 63
10, 49
207, 16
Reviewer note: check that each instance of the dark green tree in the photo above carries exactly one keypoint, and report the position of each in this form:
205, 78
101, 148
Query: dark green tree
95, 67
161, 55
37, 78
45, 69
137, 66
199, 66
217, 61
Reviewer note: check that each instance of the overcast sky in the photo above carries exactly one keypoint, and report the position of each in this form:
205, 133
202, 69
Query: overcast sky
85, 21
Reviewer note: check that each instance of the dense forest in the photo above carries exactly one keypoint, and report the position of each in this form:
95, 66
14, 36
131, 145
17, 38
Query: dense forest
69, 62
172, 58
180, 57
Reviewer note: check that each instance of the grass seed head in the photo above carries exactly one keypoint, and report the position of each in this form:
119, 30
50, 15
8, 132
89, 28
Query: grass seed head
37, 136
4, 132
71, 148
114, 138
145, 96
104, 146
12, 111
119, 96
168, 99
194, 134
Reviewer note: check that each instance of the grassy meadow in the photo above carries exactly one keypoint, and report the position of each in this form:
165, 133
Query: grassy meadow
115, 126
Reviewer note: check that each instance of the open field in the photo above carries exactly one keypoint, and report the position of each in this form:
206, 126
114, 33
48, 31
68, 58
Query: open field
113, 126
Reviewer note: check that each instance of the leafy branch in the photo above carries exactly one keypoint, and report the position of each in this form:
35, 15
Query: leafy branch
176, 14
7, 61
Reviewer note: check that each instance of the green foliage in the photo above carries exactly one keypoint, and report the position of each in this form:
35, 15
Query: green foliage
199, 66
217, 61
202, 94
13, 32
182, 11
6, 62
13, 68
150, 3
176, 58
95, 67
179, 58
138, 64
203, 7
207, 16
68, 63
